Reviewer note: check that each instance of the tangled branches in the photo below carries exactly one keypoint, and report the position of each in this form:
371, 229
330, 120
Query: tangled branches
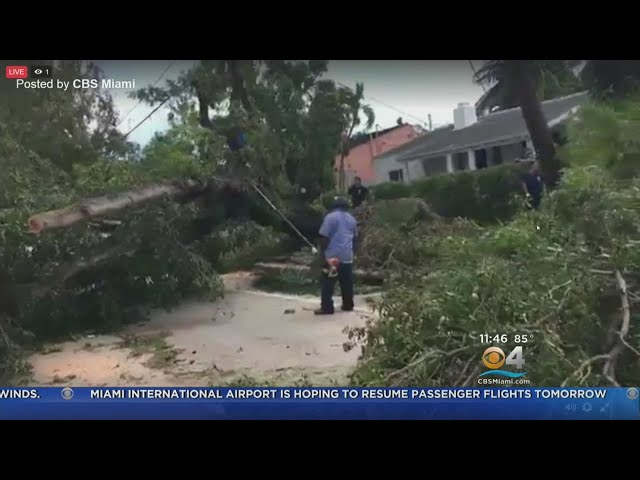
384, 225
562, 276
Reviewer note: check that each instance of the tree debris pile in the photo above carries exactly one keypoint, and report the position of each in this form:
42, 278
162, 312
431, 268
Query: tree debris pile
386, 225
567, 277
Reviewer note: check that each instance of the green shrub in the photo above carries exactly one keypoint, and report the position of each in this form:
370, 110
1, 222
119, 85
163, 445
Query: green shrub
498, 192
606, 134
449, 195
394, 213
484, 195
392, 190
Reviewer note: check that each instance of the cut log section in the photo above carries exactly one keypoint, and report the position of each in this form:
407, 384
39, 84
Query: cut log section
271, 268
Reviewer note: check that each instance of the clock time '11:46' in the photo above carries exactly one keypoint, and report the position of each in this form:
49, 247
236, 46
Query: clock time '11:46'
500, 338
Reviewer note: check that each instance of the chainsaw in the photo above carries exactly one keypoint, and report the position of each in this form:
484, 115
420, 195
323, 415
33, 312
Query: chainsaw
331, 269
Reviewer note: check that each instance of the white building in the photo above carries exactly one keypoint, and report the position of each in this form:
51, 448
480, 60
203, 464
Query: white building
470, 143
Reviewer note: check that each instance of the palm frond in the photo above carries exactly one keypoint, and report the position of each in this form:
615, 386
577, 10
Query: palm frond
492, 71
369, 115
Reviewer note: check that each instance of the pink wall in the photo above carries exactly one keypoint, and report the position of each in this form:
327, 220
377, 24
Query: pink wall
359, 162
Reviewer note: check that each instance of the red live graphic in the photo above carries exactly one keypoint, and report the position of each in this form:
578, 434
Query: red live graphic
13, 71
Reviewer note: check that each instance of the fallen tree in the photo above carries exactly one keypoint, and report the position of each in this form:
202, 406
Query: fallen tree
111, 227
206, 196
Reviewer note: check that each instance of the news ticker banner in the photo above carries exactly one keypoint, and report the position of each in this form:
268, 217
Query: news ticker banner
336, 403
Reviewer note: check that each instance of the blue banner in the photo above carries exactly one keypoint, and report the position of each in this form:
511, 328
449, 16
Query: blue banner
338, 403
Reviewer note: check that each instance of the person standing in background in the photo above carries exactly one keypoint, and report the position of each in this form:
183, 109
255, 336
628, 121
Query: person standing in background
533, 187
358, 192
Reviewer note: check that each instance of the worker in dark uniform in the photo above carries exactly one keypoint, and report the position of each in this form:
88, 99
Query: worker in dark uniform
358, 192
533, 187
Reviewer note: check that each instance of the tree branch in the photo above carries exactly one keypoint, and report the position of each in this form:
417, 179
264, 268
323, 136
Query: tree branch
464, 371
429, 354
584, 365
69, 270
5, 337
609, 370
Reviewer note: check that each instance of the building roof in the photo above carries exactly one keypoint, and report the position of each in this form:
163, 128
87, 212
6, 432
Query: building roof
410, 146
364, 137
494, 128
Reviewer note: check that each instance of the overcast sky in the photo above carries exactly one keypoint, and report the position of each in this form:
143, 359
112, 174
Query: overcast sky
411, 89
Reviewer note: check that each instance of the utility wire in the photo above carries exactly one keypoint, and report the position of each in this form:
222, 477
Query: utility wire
421, 120
475, 74
147, 117
153, 85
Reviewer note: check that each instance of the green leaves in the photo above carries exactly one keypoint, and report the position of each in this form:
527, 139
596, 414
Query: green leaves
64, 127
548, 274
611, 78
294, 118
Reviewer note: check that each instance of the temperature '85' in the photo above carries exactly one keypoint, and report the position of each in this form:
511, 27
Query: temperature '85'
522, 338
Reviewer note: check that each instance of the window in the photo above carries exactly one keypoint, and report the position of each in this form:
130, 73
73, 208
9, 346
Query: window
497, 155
396, 175
461, 160
481, 158
433, 166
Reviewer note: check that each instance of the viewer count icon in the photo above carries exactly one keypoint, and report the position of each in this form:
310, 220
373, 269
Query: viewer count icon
632, 393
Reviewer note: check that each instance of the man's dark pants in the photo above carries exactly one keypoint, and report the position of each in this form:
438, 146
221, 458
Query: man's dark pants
534, 202
345, 277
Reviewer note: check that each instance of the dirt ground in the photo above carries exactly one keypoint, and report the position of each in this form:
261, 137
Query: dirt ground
248, 336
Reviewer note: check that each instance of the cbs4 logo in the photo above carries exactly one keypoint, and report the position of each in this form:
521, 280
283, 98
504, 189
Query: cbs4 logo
494, 358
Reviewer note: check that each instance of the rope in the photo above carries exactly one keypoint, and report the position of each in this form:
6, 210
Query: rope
275, 209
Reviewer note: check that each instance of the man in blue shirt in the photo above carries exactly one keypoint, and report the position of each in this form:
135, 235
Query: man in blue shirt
338, 236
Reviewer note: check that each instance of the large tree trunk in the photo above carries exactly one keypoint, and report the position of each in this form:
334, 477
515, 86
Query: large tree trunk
215, 191
344, 151
341, 175
96, 207
524, 79
238, 85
